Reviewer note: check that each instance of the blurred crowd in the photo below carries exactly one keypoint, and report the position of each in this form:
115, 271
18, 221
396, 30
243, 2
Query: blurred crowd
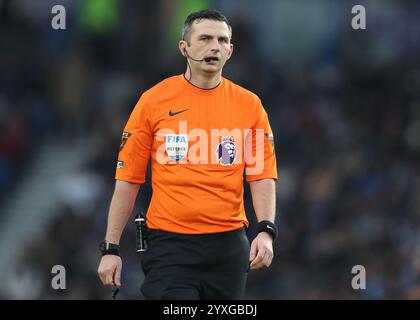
347, 135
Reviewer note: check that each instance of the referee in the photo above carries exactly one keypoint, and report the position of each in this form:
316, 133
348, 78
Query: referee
202, 134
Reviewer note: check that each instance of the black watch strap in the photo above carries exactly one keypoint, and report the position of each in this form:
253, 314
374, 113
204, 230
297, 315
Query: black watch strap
106, 247
269, 227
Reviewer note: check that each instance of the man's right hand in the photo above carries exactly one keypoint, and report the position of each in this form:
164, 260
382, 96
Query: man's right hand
109, 270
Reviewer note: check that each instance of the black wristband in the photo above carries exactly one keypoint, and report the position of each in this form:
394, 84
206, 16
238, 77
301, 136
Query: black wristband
114, 252
269, 227
109, 248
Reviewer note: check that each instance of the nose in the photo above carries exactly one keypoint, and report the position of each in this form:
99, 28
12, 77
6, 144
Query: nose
215, 46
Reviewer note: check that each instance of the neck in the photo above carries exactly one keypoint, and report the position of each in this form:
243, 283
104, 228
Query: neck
204, 81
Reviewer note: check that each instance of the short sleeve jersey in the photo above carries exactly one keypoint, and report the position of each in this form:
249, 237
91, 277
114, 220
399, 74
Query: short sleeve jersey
201, 144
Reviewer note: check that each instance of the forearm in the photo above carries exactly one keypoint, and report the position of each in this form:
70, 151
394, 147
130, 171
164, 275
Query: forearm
264, 199
121, 207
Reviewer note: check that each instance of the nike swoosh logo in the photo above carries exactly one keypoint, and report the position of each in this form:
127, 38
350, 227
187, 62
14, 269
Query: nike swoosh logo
171, 114
270, 227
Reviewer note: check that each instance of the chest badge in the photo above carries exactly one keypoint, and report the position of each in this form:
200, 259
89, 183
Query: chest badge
176, 146
226, 151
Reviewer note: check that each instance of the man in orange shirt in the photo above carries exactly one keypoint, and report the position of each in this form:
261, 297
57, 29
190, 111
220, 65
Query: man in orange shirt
201, 132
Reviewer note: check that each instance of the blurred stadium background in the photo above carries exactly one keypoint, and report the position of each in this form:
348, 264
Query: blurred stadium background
344, 106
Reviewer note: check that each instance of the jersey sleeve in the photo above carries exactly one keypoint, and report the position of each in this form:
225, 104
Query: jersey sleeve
260, 163
136, 144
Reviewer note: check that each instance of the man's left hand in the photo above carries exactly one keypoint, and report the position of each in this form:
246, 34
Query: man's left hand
261, 253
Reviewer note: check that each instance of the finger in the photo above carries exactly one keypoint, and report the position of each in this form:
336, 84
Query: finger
267, 259
253, 252
257, 262
117, 276
109, 277
101, 276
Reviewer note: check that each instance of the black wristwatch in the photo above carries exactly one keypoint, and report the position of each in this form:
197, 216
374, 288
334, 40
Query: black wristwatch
109, 248
269, 227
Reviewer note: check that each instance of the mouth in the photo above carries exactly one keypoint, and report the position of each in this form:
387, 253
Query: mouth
211, 59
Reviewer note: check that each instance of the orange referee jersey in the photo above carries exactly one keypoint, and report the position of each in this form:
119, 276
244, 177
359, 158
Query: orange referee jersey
201, 143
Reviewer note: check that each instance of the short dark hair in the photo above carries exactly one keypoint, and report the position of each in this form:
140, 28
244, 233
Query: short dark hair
203, 14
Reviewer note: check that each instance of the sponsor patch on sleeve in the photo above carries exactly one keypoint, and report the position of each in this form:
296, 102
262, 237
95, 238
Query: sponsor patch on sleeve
120, 164
124, 139
270, 140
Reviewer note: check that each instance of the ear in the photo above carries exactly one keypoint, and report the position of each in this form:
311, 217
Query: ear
182, 45
230, 51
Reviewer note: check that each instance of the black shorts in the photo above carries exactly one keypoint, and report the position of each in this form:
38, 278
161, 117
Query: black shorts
204, 266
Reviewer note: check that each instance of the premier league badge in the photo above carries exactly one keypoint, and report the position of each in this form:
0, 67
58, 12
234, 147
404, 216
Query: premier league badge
226, 151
